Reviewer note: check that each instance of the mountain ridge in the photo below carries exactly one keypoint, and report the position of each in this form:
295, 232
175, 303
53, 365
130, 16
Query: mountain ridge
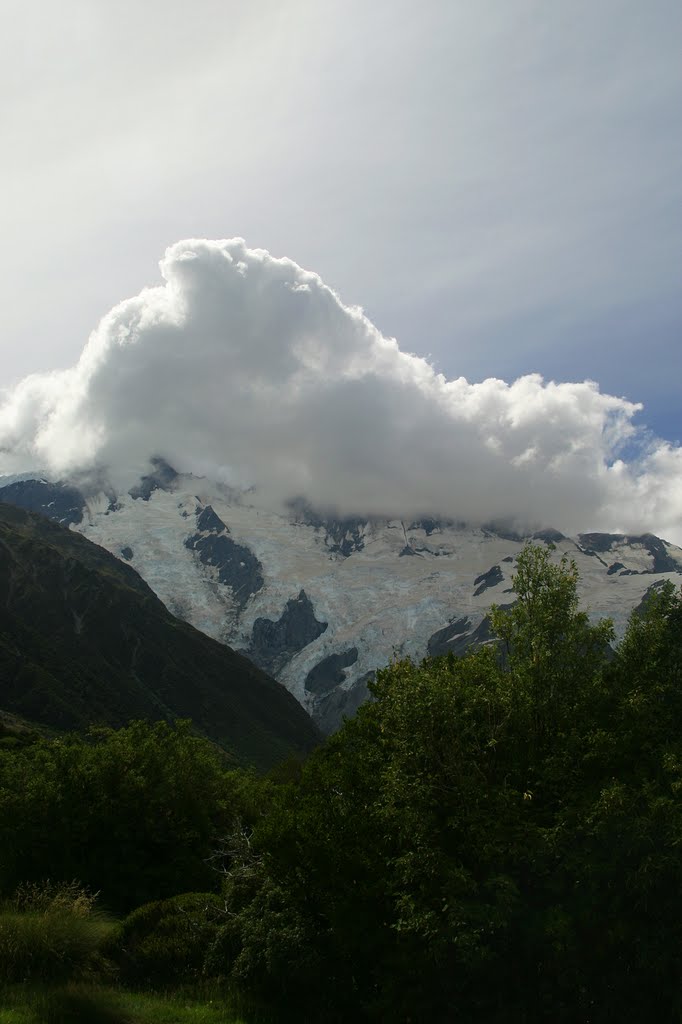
85, 640
259, 580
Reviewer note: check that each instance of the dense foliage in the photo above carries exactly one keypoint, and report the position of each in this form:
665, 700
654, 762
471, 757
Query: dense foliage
496, 838
129, 813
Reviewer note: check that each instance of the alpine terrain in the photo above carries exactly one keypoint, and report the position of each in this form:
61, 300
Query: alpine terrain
84, 640
321, 603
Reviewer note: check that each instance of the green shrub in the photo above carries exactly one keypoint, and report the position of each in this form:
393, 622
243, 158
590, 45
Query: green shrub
165, 942
49, 933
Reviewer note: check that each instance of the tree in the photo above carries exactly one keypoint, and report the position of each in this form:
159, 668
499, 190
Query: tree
648, 671
553, 652
479, 842
409, 852
130, 812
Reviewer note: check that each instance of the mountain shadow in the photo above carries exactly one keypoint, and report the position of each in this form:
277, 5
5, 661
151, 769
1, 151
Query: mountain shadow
84, 640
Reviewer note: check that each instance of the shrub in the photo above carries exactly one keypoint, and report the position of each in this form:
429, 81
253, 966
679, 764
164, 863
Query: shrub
49, 933
165, 942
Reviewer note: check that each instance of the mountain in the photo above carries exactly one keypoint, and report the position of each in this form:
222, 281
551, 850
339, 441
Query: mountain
83, 640
321, 603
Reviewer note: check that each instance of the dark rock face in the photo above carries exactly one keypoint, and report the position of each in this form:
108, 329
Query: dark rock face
663, 561
408, 550
161, 478
653, 589
503, 531
457, 638
274, 642
60, 502
238, 568
613, 569
488, 579
329, 673
429, 526
84, 639
443, 640
343, 535
127, 553
209, 521
338, 704
599, 542
481, 635
507, 532
657, 548
549, 536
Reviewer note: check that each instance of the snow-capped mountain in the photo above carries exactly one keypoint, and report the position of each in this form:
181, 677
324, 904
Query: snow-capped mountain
319, 603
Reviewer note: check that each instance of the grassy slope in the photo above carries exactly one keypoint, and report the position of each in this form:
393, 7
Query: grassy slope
95, 1004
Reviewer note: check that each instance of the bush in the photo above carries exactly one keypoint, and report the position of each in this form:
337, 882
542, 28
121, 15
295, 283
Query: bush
50, 933
165, 942
270, 947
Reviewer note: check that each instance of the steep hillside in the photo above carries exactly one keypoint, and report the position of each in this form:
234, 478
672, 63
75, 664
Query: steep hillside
83, 639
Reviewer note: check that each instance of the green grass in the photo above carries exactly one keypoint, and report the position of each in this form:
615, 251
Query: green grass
50, 934
149, 1009
95, 1004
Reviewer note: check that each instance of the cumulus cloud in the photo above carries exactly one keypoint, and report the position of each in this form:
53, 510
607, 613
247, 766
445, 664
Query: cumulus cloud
250, 370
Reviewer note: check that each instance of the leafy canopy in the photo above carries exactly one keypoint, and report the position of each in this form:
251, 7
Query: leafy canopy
484, 836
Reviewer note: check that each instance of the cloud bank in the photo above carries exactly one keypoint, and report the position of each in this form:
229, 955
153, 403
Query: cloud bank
250, 370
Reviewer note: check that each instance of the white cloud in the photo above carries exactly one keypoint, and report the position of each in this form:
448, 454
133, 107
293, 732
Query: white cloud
252, 370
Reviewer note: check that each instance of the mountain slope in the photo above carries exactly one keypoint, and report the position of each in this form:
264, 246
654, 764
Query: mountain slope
83, 639
322, 603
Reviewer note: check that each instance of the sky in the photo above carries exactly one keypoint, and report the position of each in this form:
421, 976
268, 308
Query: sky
497, 185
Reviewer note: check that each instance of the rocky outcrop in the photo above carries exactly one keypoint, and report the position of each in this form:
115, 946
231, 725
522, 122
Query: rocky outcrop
275, 642
662, 560
329, 672
488, 579
236, 565
162, 477
59, 501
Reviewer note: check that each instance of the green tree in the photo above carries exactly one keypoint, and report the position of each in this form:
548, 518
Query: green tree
648, 672
630, 833
480, 842
553, 652
386, 873
130, 813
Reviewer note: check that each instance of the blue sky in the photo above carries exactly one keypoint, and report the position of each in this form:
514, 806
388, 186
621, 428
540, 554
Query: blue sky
497, 184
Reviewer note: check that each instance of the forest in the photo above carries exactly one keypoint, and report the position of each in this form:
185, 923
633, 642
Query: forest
493, 838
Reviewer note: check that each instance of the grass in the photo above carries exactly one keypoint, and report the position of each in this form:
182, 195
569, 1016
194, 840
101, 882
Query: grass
151, 1009
95, 1004
49, 933
53, 971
